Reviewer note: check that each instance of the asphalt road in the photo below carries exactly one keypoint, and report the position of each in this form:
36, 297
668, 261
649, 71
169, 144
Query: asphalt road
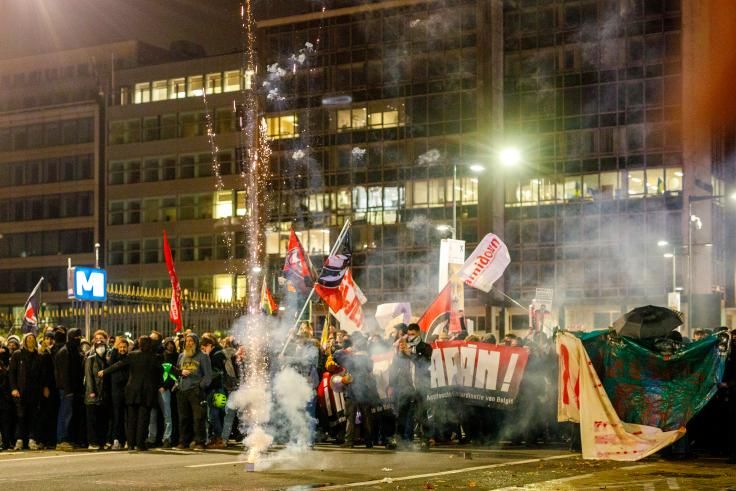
329, 467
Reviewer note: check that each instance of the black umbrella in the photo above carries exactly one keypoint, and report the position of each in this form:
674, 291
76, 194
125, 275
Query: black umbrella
649, 321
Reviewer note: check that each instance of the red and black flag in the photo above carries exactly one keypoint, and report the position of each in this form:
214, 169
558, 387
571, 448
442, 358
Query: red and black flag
297, 267
332, 275
440, 315
31, 310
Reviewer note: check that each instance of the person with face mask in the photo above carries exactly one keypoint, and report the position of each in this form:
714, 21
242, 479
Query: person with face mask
69, 373
409, 382
96, 395
27, 389
118, 380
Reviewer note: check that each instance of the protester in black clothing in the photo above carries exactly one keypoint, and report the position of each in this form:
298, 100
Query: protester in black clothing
141, 391
118, 380
361, 394
49, 405
215, 415
96, 396
69, 373
195, 374
7, 408
170, 357
27, 388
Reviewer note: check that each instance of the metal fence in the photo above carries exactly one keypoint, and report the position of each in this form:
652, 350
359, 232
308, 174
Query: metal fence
137, 311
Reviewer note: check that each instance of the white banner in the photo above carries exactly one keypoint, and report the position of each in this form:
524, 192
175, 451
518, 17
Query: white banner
486, 264
389, 314
582, 399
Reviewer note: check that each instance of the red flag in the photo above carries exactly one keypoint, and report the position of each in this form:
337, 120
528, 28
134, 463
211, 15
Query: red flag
440, 315
175, 306
297, 267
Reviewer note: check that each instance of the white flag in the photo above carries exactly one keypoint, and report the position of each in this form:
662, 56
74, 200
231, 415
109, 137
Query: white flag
486, 264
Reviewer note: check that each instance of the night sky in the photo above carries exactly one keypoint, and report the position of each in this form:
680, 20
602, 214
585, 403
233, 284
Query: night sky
35, 26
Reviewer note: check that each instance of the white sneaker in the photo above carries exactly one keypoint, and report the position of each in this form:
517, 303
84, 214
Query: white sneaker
93, 447
32, 445
116, 445
18, 445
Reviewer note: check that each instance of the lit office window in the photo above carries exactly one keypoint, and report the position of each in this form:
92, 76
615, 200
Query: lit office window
674, 179
350, 119
232, 81
241, 208
223, 204
609, 185
177, 88
142, 93
655, 181
160, 90
195, 85
636, 182
223, 287
282, 126
385, 115
214, 83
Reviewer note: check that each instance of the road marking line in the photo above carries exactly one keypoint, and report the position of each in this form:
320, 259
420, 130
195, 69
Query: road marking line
672, 483
66, 456
649, 486
447, 473
215, 464
634, 467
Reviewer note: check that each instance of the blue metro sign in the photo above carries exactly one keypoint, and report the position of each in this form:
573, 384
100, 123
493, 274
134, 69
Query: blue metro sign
90, 284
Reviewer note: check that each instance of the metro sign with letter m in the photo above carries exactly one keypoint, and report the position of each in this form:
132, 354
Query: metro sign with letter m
90, 284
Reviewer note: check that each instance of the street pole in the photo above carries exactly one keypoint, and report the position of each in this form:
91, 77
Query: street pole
690, 308
454, 201
88, 304
674, 271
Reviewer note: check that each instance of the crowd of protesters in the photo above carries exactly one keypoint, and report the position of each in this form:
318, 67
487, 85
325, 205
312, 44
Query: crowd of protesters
64, 392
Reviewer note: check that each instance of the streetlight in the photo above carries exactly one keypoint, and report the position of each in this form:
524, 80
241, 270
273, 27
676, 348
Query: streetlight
510, 156
475, 167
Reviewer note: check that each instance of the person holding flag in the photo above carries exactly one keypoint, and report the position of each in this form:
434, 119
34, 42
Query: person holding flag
31, 310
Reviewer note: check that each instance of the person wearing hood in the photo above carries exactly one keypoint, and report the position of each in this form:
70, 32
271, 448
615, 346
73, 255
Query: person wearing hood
27, 389
145, 377
7, 408
117, 392
195, 373
97, 395
215, 415
69, 373
13, 344
168, 362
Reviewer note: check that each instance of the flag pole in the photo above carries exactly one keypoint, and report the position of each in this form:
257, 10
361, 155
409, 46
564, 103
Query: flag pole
338, 242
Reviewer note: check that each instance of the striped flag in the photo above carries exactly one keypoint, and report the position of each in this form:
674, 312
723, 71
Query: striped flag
268, 304
31, 310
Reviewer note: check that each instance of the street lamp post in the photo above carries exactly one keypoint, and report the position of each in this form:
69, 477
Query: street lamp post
695, 220
664, 243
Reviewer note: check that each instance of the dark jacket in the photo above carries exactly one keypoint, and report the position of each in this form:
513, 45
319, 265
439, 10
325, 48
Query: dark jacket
26, 374
144, 378
69, 364
360, 365
172, 378
93, 384
217, 363
409, 374
119, 378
